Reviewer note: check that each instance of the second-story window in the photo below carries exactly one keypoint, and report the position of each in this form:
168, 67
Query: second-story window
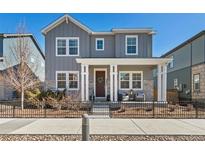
61, 47
67, 46
73, 46
171, 63
99, 43
131, 44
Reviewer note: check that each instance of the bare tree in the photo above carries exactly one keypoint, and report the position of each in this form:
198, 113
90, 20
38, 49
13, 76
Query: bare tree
20, 72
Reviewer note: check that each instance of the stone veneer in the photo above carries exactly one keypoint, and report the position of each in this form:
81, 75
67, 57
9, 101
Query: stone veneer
199, 69
149, 89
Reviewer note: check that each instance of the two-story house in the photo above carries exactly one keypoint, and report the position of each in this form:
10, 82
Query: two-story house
186, 71
35, 61
102, 64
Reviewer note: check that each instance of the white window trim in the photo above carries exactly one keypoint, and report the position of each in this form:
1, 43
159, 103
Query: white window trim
59, 38
130, 80
68, 52
99, 39
67, 80
194, 89
131, 36
67, 46
61, 89
74, 72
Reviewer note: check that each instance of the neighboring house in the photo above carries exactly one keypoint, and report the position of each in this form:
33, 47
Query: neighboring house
186, 72
101, 64
37, 58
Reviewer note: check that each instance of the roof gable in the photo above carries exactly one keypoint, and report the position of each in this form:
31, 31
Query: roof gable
61, 20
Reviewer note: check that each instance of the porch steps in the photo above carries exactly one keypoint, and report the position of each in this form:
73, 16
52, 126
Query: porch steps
101, 110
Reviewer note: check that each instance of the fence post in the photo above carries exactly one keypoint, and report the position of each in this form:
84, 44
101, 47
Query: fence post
85, 127
14, 111
196, 107
153, 109
45, 112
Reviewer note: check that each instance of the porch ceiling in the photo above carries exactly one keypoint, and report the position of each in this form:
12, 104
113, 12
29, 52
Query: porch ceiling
123, 61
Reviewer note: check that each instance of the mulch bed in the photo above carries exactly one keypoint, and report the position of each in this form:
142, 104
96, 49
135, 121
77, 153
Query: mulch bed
100, 138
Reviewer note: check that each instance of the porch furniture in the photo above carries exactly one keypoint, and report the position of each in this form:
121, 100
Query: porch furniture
140, 96
125, 97
131, 95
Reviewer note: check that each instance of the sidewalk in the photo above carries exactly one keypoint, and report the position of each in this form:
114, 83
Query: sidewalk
104, 126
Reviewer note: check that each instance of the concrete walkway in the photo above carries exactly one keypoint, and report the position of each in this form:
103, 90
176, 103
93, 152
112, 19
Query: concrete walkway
104, 126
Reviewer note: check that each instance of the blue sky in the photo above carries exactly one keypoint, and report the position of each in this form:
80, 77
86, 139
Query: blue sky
172, 29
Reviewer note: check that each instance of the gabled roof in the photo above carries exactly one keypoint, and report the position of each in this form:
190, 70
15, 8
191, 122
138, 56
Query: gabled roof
61, 20
184, 43
14, 35
66, 17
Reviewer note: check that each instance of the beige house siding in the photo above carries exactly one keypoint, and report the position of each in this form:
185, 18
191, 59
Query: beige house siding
199, 69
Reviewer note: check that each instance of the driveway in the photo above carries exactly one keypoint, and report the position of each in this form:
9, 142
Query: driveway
104, 126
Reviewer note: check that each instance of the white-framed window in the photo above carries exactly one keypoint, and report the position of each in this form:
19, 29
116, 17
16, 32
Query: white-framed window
131, 45
73, 46
196, 80
61, 47
124, 80
131, 80
175, 83
67, 80
73, 80
99, 44
137, 80
67, 46
171, 64
61, 80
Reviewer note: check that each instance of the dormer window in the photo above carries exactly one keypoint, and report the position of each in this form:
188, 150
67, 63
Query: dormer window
99, 44
131, 44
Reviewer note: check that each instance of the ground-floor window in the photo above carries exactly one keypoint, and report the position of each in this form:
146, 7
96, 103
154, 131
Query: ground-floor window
73, 80
131, 80
67, 80
196, 80
61, 80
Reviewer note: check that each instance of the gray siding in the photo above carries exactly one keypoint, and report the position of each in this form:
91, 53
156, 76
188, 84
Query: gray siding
109, 46
144, 46
67, 63
182, 58
184, 77
198, 51
114, 46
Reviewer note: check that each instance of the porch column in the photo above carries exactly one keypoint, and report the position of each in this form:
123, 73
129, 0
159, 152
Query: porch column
115, 83
164, 91
84, 83
111, 82
159, 83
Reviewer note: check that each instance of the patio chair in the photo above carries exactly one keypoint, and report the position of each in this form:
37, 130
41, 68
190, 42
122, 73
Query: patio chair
140, 96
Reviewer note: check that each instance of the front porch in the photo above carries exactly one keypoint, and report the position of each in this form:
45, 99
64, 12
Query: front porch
107, 79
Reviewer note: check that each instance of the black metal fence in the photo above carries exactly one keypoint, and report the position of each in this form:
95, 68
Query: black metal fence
148, 109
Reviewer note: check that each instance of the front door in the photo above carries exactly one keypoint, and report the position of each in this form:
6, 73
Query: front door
100, 83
